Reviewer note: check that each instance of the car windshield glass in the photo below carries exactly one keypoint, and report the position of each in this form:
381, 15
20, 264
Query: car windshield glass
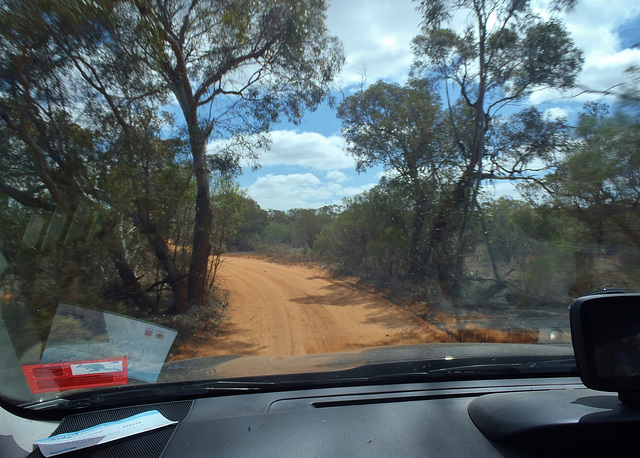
304, 191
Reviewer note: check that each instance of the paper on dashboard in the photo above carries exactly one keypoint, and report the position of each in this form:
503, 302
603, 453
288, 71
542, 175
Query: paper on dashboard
103, 433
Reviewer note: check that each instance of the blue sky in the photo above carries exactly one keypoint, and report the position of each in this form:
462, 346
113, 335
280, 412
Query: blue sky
307, 167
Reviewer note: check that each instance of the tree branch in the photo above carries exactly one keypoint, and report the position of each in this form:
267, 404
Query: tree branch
229, 65
25, 198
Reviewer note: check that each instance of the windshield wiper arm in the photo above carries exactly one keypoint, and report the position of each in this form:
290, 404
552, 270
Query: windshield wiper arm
145, 393
567, 366
155, 393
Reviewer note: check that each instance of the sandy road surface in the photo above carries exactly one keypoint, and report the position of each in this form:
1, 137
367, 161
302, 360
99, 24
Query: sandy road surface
282, 310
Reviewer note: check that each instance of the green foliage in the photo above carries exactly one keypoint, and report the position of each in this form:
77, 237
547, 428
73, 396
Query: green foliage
308, 224
400, 128
371, 237
518, 144
102, 174
403, 129
81, 88
511, 49
278, 233
595, 186
603, 164
581, 218
545, 277
505, 52
596, 181
297, 228
251, 228
229, 206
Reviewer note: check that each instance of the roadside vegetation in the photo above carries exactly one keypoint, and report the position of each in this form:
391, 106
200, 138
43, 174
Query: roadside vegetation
109, 201
106, 196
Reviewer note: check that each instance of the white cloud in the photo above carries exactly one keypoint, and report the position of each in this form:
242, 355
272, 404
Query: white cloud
337, 176
593, 26
556, 113
376, 36
604, 70
598, 75
501, 188
299, 190
353, 190
305, 149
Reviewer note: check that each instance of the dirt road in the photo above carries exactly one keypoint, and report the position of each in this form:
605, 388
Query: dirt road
282, 310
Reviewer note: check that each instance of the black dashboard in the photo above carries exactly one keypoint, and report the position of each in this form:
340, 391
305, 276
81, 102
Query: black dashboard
501, 417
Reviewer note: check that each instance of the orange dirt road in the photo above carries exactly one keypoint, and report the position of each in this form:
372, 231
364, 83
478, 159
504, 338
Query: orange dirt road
283, 310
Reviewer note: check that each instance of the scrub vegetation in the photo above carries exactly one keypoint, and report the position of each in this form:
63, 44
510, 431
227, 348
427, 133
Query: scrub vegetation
109, 201
107, 198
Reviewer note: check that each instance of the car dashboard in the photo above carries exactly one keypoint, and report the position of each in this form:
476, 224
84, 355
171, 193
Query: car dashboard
500, 417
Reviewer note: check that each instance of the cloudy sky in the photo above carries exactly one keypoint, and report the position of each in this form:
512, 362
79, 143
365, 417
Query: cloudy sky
307, 167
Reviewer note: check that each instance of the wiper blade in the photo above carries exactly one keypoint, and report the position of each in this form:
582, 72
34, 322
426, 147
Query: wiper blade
564, 367
155, 393
142, 394
506, 369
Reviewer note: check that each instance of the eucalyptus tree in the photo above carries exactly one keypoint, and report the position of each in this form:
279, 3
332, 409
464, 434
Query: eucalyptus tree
233, 68
402, 129
82, 129
489, 54
598, 179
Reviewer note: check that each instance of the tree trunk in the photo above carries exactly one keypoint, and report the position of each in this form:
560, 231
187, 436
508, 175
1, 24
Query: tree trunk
174, 277
125, 272
468, 206
586, 273
417, 266
490, 252
129, 280
201, 250
449, 218
453, 212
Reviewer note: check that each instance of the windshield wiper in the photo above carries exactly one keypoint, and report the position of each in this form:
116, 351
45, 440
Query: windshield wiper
530, 368
144, 394
546, 368
154, 393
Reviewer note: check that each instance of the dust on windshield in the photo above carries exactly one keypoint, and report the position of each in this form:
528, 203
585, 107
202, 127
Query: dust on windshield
183, 180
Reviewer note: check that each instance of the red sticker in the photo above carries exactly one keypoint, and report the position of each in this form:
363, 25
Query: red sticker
76, 374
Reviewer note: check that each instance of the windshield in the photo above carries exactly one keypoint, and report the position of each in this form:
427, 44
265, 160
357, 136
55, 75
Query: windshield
308, 190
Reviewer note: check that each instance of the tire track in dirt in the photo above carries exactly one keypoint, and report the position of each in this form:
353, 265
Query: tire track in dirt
284, 310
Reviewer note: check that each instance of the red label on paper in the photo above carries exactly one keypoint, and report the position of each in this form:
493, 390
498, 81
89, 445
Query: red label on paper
76, 374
